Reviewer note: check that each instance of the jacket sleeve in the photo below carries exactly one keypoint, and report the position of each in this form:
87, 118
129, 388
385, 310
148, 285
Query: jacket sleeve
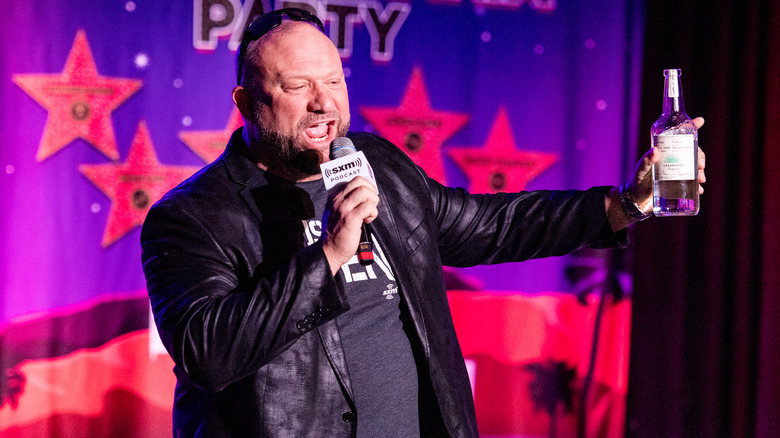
474, 229
511, 227
219, 317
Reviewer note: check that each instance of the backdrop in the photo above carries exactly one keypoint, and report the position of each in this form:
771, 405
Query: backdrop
107, 105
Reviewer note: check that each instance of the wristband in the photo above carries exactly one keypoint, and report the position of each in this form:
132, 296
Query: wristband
629, 205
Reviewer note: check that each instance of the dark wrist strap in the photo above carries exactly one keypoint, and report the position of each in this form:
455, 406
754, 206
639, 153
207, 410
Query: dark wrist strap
629, 205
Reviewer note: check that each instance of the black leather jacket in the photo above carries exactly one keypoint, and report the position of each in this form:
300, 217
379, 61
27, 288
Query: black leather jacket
248, 314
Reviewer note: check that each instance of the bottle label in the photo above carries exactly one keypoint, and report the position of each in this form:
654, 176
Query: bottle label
674, 89
677, 154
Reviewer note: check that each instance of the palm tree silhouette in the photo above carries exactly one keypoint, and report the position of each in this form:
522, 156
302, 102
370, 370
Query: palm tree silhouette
553, 384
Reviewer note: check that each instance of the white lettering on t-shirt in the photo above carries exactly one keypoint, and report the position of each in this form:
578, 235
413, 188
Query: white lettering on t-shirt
312, 230
352, 270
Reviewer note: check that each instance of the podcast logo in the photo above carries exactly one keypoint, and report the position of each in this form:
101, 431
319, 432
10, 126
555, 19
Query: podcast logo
342, 170
351, 169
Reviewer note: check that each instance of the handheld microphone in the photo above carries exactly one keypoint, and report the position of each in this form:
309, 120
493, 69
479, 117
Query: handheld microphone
347, 163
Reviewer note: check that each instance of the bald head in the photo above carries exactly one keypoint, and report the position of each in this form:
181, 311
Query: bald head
287, 38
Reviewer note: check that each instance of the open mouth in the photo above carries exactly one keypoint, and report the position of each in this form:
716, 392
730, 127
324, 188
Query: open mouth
319, 132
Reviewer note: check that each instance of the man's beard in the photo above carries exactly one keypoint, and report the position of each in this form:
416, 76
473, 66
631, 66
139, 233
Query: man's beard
290, 150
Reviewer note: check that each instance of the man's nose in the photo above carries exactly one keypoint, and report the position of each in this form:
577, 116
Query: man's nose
321, 100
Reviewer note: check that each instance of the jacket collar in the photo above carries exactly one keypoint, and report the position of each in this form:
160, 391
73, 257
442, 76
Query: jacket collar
240, 167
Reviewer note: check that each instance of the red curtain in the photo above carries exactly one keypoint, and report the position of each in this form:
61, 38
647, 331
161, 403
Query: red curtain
705, 341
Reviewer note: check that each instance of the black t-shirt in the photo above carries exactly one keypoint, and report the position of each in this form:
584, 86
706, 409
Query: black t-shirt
378, 350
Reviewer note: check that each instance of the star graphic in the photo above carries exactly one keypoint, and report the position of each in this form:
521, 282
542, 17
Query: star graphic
134, 185
210, 144
79, 102
419, 130
499, 166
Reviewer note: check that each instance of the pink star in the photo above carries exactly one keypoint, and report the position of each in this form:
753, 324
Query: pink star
79, 102
210, 144
134, 185
416, 128
499, 166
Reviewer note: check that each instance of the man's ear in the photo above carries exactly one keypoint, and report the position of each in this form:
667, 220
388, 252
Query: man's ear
242, 101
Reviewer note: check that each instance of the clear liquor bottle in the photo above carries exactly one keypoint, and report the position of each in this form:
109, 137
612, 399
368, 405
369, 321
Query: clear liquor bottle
675, 175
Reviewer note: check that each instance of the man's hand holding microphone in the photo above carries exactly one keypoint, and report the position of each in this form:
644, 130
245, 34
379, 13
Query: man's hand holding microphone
352, 204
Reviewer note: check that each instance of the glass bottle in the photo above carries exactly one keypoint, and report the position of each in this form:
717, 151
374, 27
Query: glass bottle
675, 175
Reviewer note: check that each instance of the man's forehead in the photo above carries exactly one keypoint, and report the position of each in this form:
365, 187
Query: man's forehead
299, 31
296, 43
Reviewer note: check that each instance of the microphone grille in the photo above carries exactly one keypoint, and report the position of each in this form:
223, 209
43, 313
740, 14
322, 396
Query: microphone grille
341, 147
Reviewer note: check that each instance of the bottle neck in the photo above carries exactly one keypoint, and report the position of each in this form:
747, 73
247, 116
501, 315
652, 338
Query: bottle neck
673, 97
